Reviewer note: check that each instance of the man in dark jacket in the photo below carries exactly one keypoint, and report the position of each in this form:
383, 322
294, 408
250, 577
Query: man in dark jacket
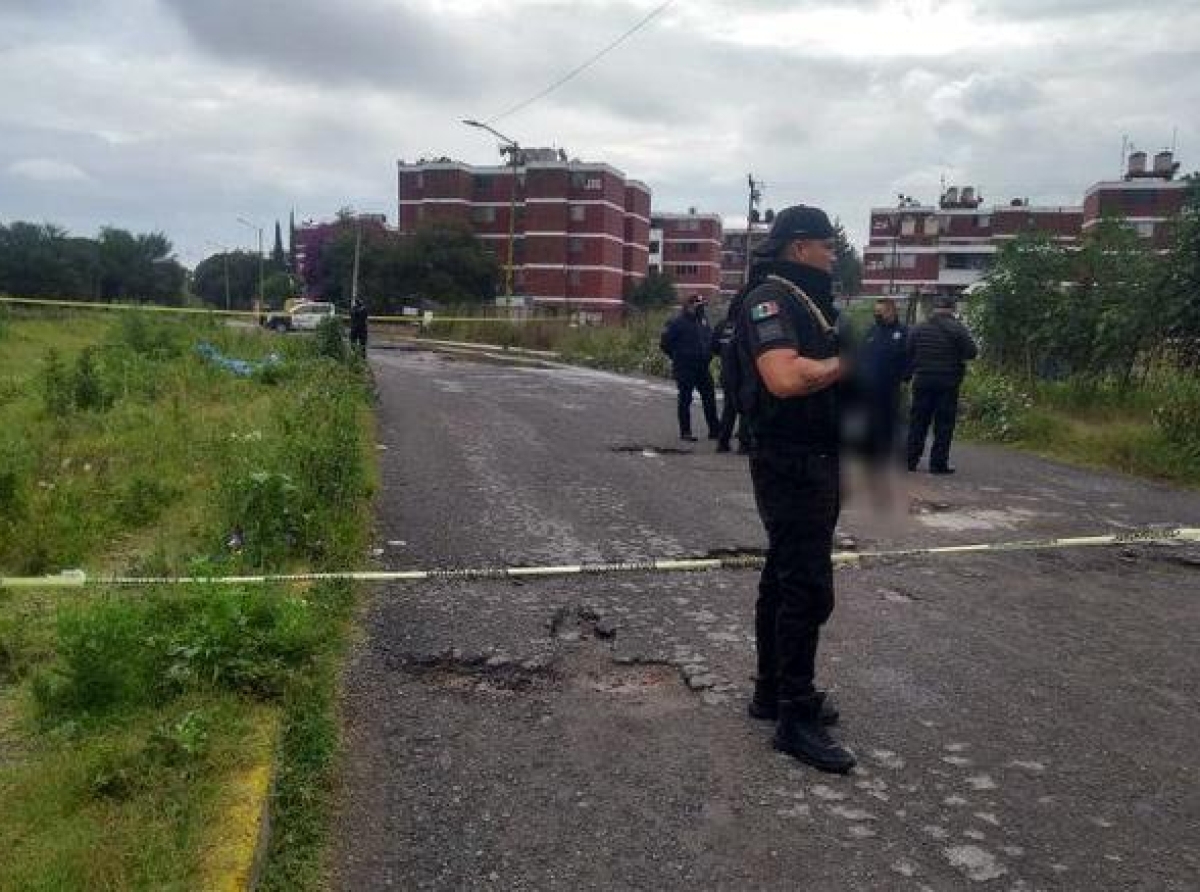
882, 367
687, 341
788, 350
938, 351
358, 326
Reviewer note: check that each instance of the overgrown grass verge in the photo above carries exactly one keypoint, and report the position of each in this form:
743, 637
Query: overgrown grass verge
632, 347
1150, 430
127, 716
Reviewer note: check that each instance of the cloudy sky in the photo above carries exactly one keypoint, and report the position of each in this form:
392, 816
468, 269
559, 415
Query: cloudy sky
182, 115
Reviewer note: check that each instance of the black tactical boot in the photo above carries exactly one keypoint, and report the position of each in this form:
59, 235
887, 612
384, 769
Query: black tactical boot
763, 705
800, 733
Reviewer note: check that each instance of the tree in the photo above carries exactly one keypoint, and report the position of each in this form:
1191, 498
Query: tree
1181, 284
278, 288
43, 261
442, 261
208, 279
656, 290
847, 265
279, 260
1013, 311
1105, 319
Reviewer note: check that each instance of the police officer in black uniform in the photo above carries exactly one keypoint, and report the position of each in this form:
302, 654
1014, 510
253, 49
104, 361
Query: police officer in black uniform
788, 355
687, 341
724, 347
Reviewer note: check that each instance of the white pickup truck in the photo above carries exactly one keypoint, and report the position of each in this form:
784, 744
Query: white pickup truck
304, 315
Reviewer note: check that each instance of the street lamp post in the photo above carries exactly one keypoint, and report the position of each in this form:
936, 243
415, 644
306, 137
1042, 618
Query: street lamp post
513, 150
225, 264
256, 228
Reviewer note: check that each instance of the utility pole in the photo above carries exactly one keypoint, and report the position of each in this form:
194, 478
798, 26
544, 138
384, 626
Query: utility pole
752, 205
513, 150
259, 301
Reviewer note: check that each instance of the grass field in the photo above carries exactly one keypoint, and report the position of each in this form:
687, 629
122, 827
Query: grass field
128, 719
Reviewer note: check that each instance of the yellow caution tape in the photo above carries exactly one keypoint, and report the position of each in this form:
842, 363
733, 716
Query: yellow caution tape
78, 578
159, 308
98, 305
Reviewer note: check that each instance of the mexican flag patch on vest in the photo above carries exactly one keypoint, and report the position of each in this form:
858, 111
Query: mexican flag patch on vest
765, 310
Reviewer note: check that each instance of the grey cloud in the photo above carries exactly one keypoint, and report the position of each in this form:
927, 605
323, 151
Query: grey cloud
382, 45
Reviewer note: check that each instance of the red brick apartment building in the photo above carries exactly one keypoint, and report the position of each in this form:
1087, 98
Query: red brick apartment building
687, 247
944, 249
581, 231
733, 257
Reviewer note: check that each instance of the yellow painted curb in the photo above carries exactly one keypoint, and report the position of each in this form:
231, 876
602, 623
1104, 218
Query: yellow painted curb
236, 850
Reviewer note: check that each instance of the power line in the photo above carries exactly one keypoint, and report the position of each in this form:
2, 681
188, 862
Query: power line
575, 72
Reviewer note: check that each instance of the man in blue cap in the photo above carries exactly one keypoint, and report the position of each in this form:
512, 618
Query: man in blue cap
789, 366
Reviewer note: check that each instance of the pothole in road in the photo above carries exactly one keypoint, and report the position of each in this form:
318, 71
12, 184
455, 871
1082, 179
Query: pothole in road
629, 680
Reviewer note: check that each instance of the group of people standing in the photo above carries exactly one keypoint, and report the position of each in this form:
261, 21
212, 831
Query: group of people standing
933, 356
789, 367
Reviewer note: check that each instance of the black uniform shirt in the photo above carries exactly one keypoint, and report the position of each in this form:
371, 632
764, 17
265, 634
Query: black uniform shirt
774, 318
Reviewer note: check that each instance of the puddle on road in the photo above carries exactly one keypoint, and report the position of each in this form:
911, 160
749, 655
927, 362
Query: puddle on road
976, 519
652, 451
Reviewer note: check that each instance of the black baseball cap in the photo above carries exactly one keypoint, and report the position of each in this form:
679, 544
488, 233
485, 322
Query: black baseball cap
797, 222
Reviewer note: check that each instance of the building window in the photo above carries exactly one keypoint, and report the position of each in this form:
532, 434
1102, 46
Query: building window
482, 182
483, 215
575, 277
595, 184
931, 225
655, 247
983, 221
575, 245
689, 247
420, 179
908, 226
578, 213
908, 261
686, 269
1145, 230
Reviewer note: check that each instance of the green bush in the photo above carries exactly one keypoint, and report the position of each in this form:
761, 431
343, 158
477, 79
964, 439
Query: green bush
88, 389
993, 408
125, 654
151, 335
331, 340
143, 498
264, 512
58, 397
1178, 414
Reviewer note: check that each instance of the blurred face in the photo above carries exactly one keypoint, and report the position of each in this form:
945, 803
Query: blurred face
814, 253
885, 312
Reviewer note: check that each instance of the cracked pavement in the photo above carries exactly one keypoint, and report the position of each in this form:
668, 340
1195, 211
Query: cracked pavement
1024, 721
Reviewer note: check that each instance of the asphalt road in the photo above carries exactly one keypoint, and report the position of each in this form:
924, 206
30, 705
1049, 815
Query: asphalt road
1024, 721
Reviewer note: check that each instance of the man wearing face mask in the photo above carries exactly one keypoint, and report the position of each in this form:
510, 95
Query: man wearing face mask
687, 340
788, 351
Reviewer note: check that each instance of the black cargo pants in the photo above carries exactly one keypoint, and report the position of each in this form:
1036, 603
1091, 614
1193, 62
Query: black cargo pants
799, 497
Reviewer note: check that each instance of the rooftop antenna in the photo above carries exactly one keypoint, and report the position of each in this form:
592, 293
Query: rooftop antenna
1174, 138
1124, 149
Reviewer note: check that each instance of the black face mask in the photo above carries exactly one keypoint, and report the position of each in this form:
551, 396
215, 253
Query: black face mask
879, 319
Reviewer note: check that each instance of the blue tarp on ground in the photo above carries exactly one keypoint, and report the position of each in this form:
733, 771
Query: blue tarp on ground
243, 367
